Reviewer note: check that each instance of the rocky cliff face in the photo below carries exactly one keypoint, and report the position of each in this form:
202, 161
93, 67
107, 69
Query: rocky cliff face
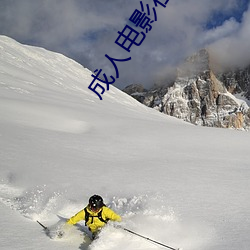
201, 97
237, 81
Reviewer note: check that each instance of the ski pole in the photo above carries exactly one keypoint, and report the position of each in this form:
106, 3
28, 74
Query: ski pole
45, 228
146, 238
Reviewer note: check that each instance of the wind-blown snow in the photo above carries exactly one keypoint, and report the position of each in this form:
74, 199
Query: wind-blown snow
179, 184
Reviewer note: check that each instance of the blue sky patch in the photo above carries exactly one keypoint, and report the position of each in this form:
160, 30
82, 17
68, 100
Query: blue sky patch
219, 17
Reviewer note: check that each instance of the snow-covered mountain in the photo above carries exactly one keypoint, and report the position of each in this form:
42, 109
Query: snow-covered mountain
201, 96
237, 81
182, 185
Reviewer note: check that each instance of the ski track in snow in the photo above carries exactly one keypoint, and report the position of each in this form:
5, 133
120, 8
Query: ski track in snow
43, 117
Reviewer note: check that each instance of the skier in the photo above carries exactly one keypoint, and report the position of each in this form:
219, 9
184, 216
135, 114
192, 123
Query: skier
95, 214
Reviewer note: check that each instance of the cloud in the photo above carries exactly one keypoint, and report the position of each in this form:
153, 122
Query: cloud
229, 27
86, 30
233, 49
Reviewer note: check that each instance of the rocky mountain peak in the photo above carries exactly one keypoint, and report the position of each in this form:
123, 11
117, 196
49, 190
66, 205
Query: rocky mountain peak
202, 97
197, 64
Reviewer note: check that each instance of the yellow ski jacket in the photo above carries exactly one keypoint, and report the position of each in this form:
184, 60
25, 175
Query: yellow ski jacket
94, 223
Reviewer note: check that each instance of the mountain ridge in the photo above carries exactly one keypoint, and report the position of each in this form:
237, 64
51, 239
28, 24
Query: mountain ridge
200, 95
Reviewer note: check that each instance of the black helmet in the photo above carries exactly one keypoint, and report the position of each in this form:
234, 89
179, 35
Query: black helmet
96, 202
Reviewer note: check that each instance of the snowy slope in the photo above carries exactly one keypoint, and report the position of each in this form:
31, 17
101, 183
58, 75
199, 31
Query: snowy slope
179, 184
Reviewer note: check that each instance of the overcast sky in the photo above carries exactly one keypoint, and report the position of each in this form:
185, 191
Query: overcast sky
86, 30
